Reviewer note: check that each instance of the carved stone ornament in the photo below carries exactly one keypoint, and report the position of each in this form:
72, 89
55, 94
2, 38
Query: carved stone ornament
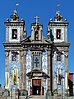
7, 54
24, 35
66, 54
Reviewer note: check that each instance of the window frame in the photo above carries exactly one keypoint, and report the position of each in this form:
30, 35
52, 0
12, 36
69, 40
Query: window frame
34, 64
58, 33
36, 34
14, 32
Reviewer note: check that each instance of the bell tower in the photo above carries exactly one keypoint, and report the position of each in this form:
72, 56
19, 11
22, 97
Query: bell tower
57, 34
15, 32
36, 31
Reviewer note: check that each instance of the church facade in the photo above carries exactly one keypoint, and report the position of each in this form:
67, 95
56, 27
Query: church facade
36, 62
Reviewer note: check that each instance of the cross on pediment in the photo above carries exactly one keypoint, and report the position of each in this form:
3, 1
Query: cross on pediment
36, 19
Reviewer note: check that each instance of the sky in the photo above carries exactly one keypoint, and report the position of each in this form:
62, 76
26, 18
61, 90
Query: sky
27, 10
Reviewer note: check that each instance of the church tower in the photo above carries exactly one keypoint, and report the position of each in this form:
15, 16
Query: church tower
36, 31
58, 34
15, 32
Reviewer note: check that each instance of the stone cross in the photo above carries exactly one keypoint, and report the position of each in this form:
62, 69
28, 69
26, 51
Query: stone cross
36, 19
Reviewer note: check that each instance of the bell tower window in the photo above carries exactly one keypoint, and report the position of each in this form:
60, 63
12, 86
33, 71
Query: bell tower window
58, 33
14, 33
36, 35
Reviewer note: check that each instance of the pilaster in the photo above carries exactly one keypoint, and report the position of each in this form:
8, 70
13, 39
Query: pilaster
48, 71
6, 60
23, 70
7, 33
66, 61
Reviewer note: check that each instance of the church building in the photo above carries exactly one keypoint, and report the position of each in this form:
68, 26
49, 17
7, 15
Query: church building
36, 62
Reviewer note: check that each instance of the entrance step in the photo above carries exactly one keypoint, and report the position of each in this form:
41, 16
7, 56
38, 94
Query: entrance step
37, 97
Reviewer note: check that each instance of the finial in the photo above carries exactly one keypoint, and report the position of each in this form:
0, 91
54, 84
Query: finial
65, 19
57, 12
36, 19
50, 19
58, 5
15, 11
21, 19
16, 5
7, 19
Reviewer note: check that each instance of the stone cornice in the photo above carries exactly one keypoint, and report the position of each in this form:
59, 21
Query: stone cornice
12, 44
62, 44
14, 23
58, 23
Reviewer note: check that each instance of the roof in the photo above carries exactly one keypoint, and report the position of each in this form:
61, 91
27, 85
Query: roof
37, 73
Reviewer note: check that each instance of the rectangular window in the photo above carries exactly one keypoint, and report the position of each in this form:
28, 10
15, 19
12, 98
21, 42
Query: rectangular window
58, 57
58, 33
36, 60
14, 33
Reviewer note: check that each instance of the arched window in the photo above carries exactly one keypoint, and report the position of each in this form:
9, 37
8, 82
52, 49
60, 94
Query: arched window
14, 33
36, 35
58, 33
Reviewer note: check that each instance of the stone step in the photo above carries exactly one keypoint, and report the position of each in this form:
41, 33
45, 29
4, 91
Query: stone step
37, 97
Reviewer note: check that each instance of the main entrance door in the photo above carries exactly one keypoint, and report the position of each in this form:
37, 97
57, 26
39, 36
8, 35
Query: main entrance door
36, 85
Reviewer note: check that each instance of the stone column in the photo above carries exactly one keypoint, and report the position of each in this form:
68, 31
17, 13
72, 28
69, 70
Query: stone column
66, 61
23, 70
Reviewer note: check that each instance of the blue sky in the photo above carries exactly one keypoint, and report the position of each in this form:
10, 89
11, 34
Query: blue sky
27, 10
